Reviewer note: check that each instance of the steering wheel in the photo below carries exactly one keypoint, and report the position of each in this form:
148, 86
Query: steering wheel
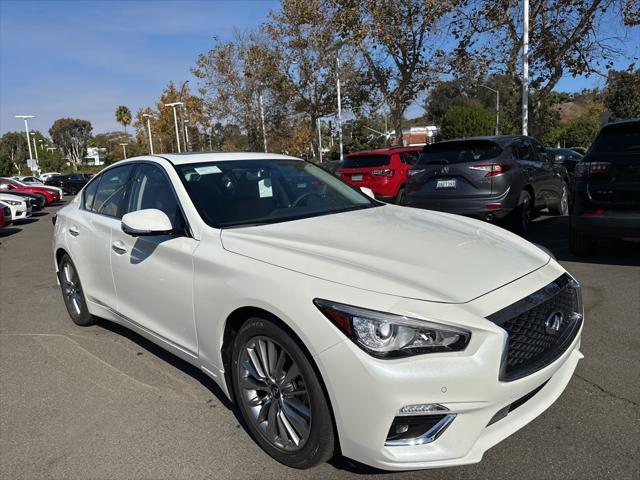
303, 196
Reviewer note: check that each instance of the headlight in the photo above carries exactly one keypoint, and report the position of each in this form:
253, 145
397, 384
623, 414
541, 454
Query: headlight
12, 202
386, 335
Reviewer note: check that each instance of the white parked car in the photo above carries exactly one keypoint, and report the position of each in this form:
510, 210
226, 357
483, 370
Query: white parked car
410, 338
35, 181
20, 208
45, 176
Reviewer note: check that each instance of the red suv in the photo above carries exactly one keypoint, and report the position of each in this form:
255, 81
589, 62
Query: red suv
384, 171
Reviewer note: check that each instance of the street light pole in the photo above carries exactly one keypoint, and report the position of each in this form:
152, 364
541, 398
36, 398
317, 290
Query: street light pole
175, 120
497, 92
319, 139
525, 69
148, 117
26, 128
124, 149
264, 132
35, 147
186, 135
339, 105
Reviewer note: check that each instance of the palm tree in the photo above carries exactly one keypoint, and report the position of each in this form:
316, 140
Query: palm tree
123, 116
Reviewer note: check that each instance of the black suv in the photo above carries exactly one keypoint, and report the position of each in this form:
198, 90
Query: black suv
606, 196
70, 183
491, 178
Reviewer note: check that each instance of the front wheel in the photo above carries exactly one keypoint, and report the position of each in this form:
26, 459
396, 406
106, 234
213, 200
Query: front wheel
279, 396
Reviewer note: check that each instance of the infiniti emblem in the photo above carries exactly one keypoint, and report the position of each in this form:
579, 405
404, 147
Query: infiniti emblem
553, 323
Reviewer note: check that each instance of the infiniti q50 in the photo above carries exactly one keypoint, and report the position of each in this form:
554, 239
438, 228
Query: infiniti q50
275, 278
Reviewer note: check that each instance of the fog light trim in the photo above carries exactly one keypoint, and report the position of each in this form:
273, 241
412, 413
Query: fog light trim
429, 436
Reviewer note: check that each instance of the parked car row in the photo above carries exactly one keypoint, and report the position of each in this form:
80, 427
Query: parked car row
37, 196
490, 178
511, 178
70, 183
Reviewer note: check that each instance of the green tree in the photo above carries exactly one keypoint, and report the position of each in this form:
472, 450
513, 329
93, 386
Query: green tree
123, 116
71, 135
581, 131
460, 122
400, 45
14, 146
622, 94
6, 166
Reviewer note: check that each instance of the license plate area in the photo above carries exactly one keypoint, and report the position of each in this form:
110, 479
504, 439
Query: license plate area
356, 178
446, 183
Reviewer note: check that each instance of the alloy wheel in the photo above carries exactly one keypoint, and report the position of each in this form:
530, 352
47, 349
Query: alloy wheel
71, 289
274, 393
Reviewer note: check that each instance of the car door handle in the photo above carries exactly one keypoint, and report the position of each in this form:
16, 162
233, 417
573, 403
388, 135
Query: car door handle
74, 231
118, 247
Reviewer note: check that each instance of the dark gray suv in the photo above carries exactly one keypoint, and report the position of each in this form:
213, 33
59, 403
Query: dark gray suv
491, 178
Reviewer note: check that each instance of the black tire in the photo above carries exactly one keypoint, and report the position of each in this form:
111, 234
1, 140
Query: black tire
400, 197
562, 207
522, 215
250, 384
72, 293
579, 243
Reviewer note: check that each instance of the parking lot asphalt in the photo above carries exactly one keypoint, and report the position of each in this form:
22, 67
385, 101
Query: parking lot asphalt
102, 402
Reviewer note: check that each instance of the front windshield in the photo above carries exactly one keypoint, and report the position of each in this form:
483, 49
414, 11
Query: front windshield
250, 192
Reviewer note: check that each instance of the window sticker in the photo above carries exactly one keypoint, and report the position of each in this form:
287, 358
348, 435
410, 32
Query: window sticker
206, 170
264, 188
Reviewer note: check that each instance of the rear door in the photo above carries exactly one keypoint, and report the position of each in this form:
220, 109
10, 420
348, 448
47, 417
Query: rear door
459, 168
614, 179
532, 168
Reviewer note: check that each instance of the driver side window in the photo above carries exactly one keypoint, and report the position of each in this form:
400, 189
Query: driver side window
151, 189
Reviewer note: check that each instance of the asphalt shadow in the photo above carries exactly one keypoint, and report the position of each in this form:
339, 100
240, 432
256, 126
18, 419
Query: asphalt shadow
553, 233
8, 231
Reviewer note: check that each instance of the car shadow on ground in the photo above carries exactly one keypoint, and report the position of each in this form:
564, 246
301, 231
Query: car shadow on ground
553, 233
39, 214
26, 221
168, 357
8, 231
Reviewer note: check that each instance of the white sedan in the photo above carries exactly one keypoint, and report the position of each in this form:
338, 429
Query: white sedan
20, 208
402, 338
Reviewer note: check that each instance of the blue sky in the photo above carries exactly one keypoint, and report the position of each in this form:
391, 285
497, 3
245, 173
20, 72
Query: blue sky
83, 58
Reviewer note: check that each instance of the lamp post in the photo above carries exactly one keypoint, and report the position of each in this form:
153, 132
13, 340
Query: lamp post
319, 139
525, 68
175, 119
124, 149
264, 132
339, 104
41, 142
26, 128
186, 134
497, 92
35, 148
148, 116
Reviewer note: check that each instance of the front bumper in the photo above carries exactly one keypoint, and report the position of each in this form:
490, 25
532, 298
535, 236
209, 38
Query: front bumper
368, 393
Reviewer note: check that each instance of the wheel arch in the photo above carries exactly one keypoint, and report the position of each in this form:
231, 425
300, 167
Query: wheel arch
234, 322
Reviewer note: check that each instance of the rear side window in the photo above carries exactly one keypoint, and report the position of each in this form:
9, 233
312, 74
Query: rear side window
365, 161
618, 138
410, 158
109, 197
524, 151
461, 151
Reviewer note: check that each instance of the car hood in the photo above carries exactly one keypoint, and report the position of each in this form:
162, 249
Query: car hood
393, 250
9, 196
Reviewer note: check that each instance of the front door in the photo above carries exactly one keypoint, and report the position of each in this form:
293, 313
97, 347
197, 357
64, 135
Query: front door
153, 275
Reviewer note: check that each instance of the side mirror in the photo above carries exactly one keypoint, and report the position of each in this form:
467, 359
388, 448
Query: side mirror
368, 192
146, 222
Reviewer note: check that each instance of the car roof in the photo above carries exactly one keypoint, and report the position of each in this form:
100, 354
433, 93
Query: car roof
199, 157
386, 150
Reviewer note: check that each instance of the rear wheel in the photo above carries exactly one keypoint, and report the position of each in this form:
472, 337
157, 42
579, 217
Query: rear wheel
579, 243
562, 206
522, 215
72, 293
279, 396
